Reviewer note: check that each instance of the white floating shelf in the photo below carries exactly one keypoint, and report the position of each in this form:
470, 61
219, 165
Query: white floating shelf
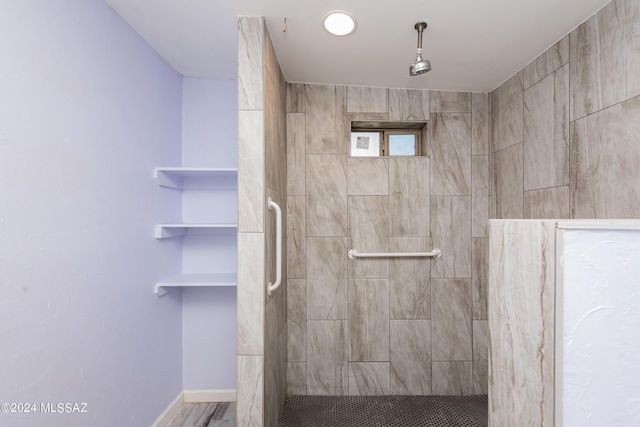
174, 230
197, 178
185, 280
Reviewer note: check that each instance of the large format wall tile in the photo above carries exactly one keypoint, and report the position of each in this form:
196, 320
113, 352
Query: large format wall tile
250, 396
296, 154
368, 378
506, 113
408, 104
368, 177
547, 203
453, 378
343, 124
479, 195
297, 378
551, 60
508, 176
281, 370
270, 367
546, 132
321, 120
409, 201
251, 289
409, 284
480, 357
274, 139
369, 232
451, 319
296, 99
271, 66
480, 121
296, 320
367, 100
296, 238
479, 277
250, 52
327, 353
327, 277
450, 139
326, 195
451, 233
521, 320
604, 163
369, 320
450, 102
251, 176
410, 357
605, 58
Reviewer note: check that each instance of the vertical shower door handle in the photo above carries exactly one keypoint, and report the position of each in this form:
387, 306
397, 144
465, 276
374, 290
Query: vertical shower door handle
273, 286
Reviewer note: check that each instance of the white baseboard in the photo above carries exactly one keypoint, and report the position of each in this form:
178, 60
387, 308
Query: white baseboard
196, 396
169, 412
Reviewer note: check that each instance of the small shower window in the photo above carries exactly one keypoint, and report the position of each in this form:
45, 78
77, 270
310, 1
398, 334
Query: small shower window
403, 143
381, 139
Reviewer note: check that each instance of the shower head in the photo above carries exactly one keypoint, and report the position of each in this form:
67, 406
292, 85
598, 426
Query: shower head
420, 66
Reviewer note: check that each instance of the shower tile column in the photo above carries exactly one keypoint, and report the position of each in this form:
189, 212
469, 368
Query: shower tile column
410, 284
326, 241
450, 138
262, 320
296, 240
251, 239
480, 191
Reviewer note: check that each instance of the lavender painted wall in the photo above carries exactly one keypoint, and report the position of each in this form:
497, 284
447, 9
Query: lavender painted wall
209, 139
87, 110
210, 117
209, 337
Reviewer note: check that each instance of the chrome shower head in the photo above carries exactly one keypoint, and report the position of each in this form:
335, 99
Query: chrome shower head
420, 66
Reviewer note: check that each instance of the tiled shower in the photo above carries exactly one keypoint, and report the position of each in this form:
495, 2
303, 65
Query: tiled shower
411, 326
556, 140
565, 127
386, 326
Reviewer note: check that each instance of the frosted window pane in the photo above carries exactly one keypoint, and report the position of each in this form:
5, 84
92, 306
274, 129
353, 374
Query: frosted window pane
402, 145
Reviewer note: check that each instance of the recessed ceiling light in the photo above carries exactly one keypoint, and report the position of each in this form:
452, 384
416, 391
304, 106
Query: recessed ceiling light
339, 23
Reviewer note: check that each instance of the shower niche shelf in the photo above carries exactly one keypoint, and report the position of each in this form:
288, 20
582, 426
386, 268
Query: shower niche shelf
195, 280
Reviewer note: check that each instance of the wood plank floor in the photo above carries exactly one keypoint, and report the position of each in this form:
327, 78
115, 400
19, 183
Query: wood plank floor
205, 415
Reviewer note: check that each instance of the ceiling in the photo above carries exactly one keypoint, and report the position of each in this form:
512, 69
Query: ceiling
472, 45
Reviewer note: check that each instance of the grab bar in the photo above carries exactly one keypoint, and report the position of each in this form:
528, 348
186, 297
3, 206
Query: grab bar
354, 254
276, 284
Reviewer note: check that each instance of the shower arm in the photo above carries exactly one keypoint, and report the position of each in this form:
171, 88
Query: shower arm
420, 27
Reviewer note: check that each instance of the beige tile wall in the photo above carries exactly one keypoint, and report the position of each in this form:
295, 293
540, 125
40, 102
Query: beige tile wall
387, 326
262, 320
275, 145
566, 128
565, 145
251, 236
521, 320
